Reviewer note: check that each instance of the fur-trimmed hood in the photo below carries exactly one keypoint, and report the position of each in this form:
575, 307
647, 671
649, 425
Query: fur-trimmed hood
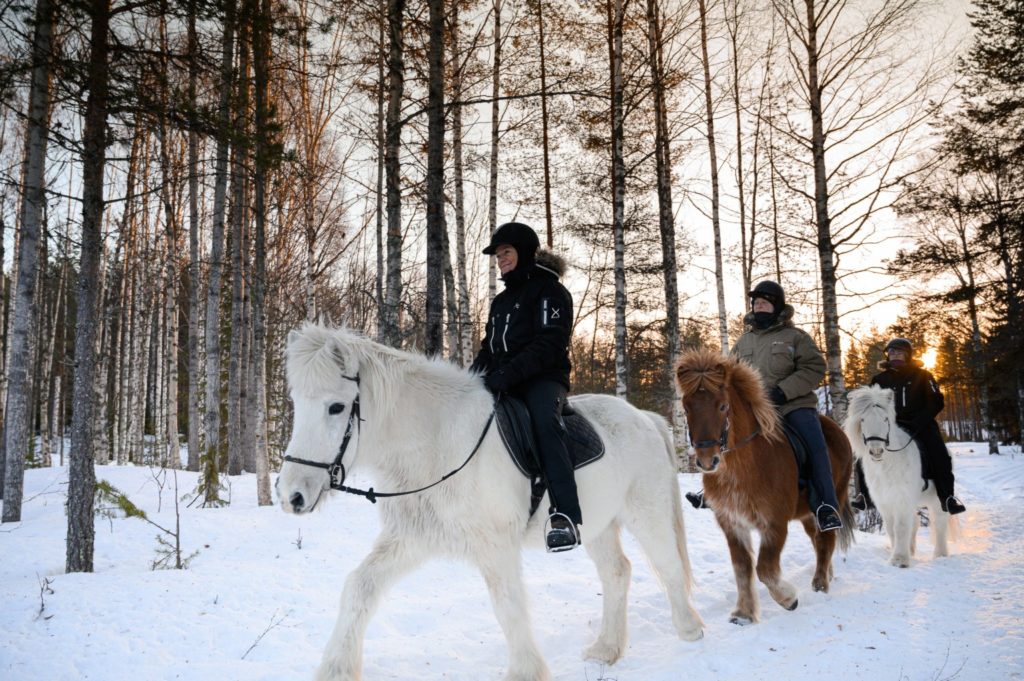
551, 262
785, 319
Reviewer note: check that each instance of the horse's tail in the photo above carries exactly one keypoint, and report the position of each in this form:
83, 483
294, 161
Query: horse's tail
846, 535
679, 529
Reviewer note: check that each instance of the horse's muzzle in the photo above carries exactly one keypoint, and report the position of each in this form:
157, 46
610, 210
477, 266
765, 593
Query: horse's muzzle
711, 466
298, 503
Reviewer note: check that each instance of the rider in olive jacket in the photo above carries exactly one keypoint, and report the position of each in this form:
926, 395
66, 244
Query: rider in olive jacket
525, 353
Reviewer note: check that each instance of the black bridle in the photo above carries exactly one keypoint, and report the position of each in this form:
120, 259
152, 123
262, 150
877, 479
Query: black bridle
723, 440
885, 440
336, 469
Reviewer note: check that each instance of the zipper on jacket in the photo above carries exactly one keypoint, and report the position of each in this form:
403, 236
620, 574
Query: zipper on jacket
505, 331
494, 328
544, 312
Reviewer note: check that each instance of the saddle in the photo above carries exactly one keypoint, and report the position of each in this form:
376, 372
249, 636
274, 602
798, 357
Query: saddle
516, 430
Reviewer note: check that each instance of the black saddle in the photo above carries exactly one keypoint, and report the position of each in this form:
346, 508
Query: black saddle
516, 430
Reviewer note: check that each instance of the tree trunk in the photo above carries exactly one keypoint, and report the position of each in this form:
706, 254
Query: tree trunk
17, 413
723, 320
378, 278
258, 421
82, 476
211, 422
618, 177
492, 186
544, 123
826, 253
463, 348
392, 167
666, 218
194, 316
434, 342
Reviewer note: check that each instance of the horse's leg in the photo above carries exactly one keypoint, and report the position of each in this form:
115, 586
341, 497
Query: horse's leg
903, 529
939, 527
389, 559
769, 571
824, 546
503, 573
664, 541
747, 608
614, 570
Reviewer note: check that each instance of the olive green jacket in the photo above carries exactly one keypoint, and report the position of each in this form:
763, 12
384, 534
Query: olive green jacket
784, 356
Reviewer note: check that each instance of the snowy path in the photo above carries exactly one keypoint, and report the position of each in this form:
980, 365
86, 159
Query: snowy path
956, 618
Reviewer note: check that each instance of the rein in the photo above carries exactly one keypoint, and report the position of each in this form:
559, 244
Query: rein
885, 440
336, 469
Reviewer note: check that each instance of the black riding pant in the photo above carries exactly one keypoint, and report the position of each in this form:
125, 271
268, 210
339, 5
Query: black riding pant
545, 400
805, 421
936, 463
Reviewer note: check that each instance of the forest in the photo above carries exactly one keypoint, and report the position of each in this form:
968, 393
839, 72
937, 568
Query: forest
183, 182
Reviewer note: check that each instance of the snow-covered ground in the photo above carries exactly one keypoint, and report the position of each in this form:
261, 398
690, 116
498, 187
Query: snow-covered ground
259, 600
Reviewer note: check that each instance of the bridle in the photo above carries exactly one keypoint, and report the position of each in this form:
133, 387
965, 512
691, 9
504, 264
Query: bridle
723, 440
885, 440
336, 469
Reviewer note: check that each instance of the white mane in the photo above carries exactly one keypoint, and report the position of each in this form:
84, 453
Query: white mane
318, 357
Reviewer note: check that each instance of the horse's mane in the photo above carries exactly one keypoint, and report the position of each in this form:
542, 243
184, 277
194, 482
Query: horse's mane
318, 357
859, 401
705, 369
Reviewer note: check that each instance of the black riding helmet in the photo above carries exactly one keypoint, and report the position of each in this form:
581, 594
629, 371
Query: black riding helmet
771, 292
900, 344
517, 235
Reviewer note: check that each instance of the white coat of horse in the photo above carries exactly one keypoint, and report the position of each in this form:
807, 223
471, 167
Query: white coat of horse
892, 469
420, 420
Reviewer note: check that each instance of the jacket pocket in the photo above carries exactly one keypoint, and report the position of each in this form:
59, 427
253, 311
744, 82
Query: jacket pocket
780, 364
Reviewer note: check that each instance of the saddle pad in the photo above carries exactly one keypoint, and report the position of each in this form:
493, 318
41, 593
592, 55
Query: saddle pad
516, 430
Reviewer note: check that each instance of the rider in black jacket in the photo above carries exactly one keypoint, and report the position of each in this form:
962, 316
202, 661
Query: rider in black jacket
525, 352
918, 402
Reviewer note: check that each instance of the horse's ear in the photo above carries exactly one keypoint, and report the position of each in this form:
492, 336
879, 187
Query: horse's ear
293, 336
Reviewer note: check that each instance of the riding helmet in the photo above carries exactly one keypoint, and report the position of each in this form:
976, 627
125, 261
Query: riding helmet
517, 235
900, 344
771, 292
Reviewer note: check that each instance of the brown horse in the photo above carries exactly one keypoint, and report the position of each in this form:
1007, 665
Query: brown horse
750, 475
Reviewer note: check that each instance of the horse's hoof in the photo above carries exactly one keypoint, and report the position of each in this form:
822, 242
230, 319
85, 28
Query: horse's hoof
900, 562
602, 652
819, 585
741, 620
792, 607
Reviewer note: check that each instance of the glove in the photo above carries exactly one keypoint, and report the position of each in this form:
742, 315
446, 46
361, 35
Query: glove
497, 381
777, 397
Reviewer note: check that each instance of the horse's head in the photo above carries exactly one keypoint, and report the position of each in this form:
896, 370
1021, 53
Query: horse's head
324, 383
713, 386
870, 419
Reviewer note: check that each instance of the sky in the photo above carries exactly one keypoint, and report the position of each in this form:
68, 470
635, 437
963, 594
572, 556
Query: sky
260, 598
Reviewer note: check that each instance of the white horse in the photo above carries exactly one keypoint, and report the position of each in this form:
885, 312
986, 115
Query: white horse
892, 469
420, 420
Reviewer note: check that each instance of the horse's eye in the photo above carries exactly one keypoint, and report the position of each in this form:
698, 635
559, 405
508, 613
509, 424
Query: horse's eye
724, 407
335, 408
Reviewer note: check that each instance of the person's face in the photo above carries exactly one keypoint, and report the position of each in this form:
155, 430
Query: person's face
507, 258
896, 353
762, 305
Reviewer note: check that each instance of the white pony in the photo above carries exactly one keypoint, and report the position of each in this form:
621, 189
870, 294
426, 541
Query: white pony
892, 469
420, 420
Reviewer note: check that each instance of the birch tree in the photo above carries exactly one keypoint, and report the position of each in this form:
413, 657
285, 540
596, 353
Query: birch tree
18, 409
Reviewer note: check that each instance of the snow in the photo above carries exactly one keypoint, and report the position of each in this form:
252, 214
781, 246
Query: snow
260, 599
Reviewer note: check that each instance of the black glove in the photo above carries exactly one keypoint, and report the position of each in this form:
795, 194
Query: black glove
497, 381
776, 395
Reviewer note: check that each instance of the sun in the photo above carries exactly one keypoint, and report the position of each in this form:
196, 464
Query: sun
928, 358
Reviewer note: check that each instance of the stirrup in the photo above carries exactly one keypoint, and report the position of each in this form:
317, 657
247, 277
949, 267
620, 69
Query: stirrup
696, 499
953, 505
827, 518
561, 533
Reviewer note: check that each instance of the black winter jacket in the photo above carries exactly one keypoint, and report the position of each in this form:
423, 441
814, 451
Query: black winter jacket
918, 398
529, 327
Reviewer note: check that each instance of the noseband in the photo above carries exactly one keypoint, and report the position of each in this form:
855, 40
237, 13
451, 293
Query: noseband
885, 440
722, 441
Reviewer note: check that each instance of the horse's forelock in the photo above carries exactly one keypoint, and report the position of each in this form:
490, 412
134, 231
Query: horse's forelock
862, 399
700, 370
315, 363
